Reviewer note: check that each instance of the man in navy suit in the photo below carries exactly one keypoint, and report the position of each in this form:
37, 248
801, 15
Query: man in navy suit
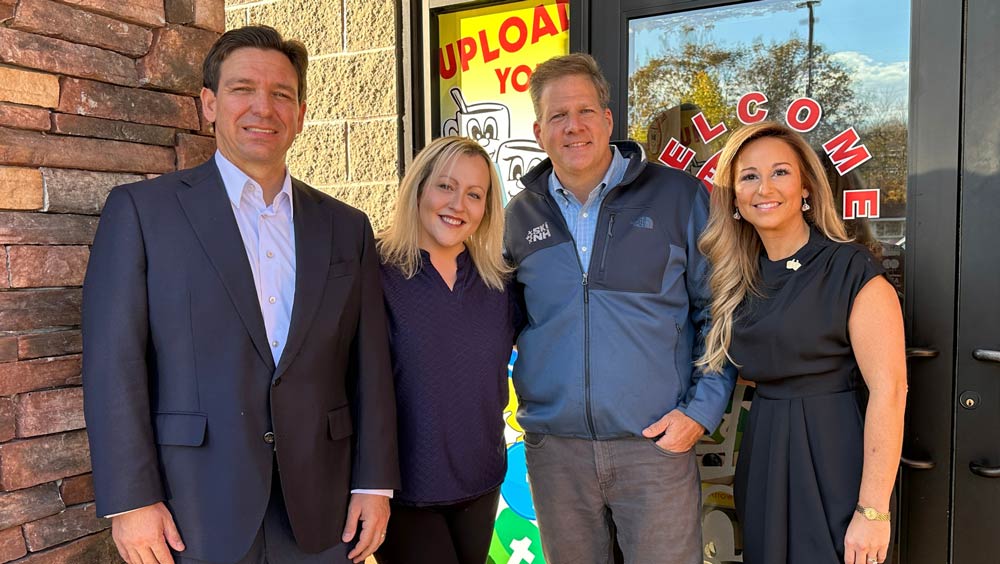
237, 385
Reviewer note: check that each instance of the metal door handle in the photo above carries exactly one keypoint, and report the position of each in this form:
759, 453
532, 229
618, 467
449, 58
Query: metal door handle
921, 352
986, 355
916, 464
984, 471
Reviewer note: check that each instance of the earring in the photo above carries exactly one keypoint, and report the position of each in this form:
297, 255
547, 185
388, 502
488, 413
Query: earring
736, 215
805, 205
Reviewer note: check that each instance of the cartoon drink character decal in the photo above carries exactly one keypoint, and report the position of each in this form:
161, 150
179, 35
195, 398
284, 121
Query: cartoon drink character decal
486, 122
515, 158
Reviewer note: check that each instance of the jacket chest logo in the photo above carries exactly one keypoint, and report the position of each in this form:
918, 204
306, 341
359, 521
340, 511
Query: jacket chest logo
643, 222
539, 233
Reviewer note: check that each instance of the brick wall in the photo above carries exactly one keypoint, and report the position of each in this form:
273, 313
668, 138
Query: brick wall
93, 93
349, 147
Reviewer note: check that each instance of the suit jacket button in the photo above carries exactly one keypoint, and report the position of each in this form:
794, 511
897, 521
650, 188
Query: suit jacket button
269, 438
276, 382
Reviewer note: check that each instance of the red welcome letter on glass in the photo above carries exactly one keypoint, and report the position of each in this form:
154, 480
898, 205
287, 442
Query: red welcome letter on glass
861, 203
676, 155
845, 152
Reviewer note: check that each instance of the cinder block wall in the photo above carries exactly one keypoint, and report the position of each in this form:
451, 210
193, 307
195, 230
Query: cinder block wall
93, 93
349, 147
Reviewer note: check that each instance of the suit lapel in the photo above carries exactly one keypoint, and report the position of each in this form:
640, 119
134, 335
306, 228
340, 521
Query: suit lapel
313, 228
211, 215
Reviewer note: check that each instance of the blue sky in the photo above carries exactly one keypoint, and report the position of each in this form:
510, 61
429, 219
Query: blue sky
870, 37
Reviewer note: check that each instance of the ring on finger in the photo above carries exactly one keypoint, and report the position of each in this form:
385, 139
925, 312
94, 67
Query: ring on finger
873, 561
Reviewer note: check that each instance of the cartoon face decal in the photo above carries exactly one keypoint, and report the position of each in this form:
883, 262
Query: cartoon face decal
486, 122
515, 158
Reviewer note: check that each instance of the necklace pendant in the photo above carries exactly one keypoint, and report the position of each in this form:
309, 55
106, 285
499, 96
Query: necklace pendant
793, 264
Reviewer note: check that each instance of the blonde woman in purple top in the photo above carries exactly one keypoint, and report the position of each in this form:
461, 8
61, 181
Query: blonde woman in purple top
451, 327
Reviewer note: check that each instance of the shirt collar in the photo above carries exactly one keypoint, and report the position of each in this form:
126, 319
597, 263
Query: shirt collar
612, 176
235, 182
462, 258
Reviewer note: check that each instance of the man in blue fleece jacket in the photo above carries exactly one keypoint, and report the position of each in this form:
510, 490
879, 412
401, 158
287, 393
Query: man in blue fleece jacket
617, 301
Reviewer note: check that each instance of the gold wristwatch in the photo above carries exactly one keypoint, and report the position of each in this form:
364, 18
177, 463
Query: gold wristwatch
872, 514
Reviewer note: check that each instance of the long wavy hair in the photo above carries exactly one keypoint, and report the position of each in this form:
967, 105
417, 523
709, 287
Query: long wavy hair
399, 244
733, 246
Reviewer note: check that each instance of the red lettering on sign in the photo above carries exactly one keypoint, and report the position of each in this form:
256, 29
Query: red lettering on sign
676, 155
707, 134
803, 124
447, 69
563, 7
845, 152
485, 44
861, 203
707, 172
466, 51
502, 77
522, 34
542, 24
748, 109
518, 79
523, 71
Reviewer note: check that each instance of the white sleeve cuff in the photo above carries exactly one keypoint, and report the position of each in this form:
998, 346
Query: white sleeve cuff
386, 493
122, 513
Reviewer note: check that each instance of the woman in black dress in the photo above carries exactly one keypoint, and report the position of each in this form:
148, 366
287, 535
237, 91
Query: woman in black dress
451, 331
810, 318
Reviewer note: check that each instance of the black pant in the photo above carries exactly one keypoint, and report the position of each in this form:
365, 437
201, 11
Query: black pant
459, 533
275, 542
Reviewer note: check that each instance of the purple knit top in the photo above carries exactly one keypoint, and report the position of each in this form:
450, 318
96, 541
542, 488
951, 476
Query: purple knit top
450, 350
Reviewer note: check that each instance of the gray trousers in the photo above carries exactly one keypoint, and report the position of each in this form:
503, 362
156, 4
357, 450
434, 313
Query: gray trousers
275, 543
583, 489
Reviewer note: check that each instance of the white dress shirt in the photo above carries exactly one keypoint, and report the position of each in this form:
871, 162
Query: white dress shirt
268, 233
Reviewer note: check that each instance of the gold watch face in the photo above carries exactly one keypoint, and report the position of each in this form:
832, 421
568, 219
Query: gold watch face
871, 514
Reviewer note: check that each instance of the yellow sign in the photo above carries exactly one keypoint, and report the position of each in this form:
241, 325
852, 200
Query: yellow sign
485, 58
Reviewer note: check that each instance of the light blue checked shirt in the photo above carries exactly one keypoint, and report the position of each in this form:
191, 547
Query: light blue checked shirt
582, 218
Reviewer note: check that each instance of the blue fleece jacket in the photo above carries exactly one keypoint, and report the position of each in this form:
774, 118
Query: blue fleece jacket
608, 350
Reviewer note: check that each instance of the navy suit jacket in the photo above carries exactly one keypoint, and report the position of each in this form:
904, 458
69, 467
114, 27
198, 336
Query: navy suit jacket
179, 382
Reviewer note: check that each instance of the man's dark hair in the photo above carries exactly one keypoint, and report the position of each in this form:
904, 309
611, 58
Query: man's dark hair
256, 37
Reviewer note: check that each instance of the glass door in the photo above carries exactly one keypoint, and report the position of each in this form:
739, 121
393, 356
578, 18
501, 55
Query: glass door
875, 88
977, 420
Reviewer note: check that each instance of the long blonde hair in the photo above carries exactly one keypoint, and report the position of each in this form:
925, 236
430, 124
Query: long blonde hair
733, 247
399, 244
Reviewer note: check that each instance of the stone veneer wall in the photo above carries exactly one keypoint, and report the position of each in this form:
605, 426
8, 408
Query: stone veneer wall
349, 147
93, 93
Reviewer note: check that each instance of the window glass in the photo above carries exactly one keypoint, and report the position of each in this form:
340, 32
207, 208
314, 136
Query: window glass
849, 56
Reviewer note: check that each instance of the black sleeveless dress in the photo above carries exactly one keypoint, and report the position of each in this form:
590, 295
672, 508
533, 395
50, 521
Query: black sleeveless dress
800, 461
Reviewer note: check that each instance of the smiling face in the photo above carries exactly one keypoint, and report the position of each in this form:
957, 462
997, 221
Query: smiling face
574, 129
256, 110
768, 186
452, 204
